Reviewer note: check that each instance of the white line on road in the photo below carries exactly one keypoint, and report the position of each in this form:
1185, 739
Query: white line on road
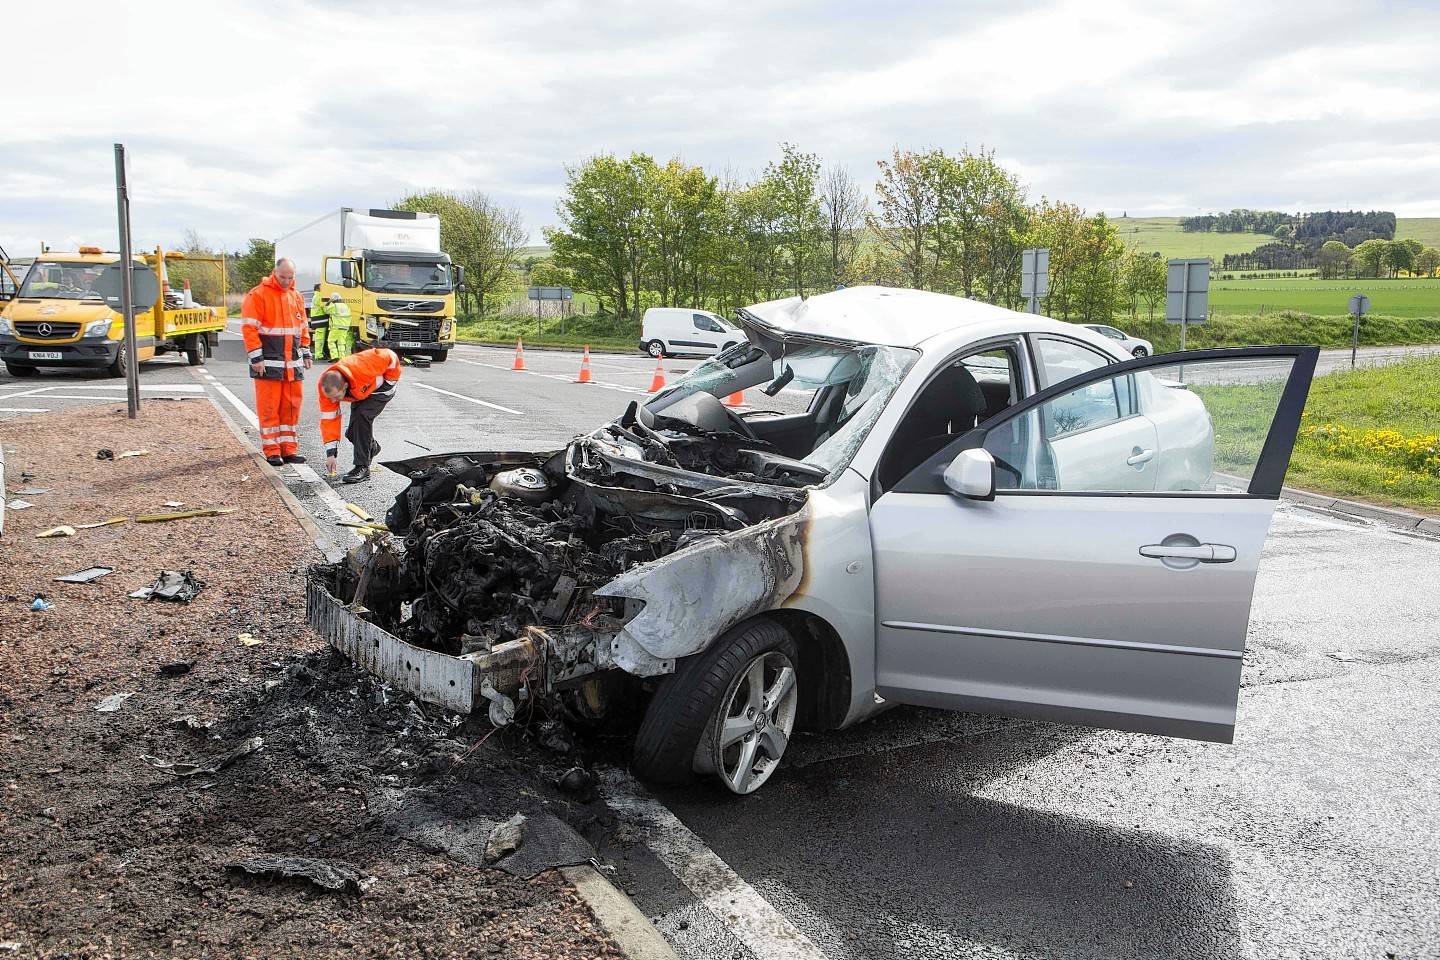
239, 404
326, 493
748, 916
461, 396
24, 410
554, 376
25, 393
152, 388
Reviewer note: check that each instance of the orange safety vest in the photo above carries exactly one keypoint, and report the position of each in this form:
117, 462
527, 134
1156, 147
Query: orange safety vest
276, 330
369, 373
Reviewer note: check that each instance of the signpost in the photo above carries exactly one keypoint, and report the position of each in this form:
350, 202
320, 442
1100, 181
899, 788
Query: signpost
1187, 293
1035, 276
1359, 306
127, 285
539, 294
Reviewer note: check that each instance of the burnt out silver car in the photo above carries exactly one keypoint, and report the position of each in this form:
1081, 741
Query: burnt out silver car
953, 505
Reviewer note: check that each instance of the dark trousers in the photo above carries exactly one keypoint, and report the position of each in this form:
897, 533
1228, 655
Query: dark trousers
361, 432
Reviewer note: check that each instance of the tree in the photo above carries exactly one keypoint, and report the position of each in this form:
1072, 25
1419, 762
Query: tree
204, 278
601, 236
1370, 256
684, 213
844, 207
1333, 260
981, 219
907, 203
1058, 228
799, 223
1427, 262
1097, 289
479, 234
1398, 256
1142, 280
254, 265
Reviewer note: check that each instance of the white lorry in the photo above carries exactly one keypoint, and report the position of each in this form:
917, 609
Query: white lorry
388, 267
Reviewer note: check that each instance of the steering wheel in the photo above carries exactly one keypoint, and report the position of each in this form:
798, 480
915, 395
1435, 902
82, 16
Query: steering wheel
742, 427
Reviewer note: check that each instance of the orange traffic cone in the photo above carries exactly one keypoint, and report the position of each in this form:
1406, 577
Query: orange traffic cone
659, 382
188, 299
519, 354
585, 367
736, 399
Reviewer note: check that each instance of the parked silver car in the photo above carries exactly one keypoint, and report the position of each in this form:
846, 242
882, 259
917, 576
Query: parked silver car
1134, 346
978, 509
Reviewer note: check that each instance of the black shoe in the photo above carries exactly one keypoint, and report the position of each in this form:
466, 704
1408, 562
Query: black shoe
276, 461
374, 449
293, 458
358, 475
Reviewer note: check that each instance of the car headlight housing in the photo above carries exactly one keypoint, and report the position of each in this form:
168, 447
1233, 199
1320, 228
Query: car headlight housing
5, 326
372, 326
98, 328
445, 329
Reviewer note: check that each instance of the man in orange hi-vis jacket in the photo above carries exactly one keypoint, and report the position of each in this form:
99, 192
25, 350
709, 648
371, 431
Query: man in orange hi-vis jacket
366, 381
277, 341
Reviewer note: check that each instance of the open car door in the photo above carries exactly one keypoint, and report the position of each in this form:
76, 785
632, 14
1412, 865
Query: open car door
1089, 555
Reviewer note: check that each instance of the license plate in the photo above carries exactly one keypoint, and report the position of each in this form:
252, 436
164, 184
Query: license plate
45, 355
409, 345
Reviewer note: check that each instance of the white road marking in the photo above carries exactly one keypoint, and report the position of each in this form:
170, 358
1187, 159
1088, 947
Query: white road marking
249, 415
555, 376
25, 393
748, 916
326, 493
152, 388
25, 410
461, 396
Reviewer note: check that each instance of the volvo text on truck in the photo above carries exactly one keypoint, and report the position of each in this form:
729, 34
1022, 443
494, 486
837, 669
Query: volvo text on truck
388, 268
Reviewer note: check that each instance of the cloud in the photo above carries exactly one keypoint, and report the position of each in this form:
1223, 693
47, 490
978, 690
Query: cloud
254, 118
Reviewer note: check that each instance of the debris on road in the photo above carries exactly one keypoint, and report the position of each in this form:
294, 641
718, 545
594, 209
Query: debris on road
328, 875
133, 453
40, 603
185, 514
177, 668
61, 531
101, 523
505, 839
104, 453
213, 765
31, 491
113, 702
19, 505
178, 585
87, 575
248, 639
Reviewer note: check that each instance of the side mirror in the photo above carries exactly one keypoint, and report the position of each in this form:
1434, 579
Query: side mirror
347, 272
972, 475
460, 278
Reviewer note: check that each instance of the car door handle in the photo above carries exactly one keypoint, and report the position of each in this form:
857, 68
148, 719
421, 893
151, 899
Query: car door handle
1139, 457
1204, 552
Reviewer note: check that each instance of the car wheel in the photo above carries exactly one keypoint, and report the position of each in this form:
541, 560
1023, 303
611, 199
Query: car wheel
728, 711
728, 345
1139, 352
655, 348
196, 354
439, 356
117, 366
19, 370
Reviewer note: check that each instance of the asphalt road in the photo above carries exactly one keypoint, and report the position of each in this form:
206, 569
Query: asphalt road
926, 834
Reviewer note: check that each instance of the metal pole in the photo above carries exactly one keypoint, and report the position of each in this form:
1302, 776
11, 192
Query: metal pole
538, 302
127, 284
1355, 345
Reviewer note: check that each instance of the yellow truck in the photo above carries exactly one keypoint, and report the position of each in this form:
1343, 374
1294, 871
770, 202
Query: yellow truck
68, 312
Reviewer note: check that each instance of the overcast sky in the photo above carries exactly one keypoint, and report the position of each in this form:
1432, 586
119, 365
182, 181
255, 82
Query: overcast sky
253, 118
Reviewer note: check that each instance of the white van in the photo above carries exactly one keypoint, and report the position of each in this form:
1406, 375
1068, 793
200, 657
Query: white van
667, 331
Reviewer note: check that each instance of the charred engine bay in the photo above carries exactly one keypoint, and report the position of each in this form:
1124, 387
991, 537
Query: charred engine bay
484, 545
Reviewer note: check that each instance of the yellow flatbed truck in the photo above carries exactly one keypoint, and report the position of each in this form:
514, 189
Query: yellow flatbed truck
68, 312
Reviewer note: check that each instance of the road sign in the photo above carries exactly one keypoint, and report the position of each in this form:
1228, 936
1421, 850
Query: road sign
551, 293
1359, 305
1035, 276
1187, 293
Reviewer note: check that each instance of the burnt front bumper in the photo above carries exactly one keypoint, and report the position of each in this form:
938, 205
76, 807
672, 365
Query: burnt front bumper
492, 680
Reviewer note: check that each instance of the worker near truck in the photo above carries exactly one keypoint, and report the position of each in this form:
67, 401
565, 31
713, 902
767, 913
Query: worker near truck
277, 341
366, 381
340, 340
319, 323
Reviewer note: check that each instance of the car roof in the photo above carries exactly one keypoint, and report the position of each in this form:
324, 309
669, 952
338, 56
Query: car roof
891, 316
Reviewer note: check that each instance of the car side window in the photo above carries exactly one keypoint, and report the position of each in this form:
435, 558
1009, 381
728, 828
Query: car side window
1062, 359
707, 324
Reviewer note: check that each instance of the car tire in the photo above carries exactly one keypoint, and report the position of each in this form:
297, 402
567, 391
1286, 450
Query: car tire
196, 354
1139, 352
702, 718
117, 366
656, 349
439, 356
20, 371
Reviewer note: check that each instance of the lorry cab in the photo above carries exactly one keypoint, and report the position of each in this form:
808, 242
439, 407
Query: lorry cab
68, 312
669, 331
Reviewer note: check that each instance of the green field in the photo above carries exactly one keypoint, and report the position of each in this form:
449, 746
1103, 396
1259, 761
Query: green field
1424, 229
1404, 297
1163, 235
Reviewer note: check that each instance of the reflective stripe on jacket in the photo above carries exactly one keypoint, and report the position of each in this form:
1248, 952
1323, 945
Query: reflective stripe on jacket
369, 373
276, 330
